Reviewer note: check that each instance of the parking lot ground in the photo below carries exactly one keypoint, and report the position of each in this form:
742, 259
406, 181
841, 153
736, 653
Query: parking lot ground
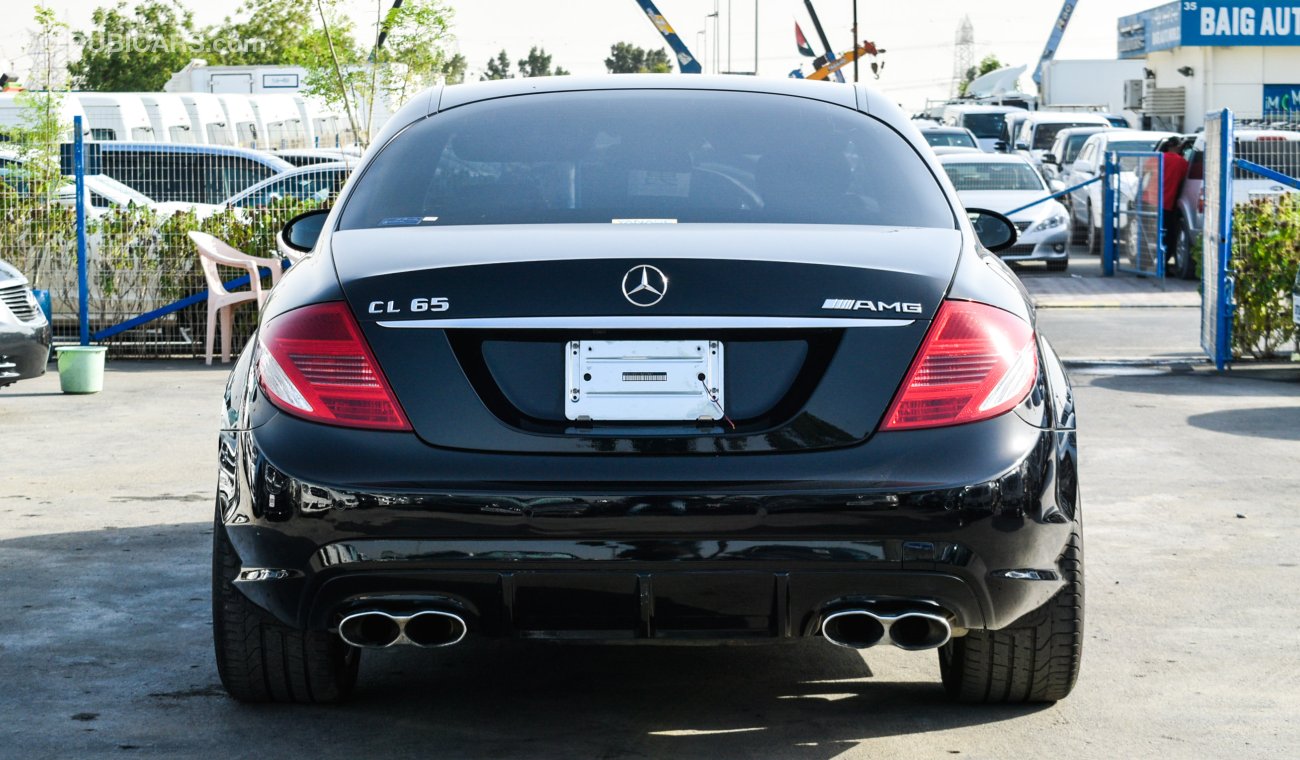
1191, 518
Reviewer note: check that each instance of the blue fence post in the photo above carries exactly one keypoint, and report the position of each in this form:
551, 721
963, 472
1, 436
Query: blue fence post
83, 286
1108, 216
1227, 300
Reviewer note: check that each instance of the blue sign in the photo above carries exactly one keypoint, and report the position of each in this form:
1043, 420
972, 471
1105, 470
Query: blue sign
1281, 98
1240, 23
1210, 23
1151, 30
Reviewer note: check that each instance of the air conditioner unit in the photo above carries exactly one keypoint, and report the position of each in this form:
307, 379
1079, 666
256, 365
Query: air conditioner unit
1133, 94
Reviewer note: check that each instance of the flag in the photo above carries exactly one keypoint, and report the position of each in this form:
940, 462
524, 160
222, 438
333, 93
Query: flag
802, 42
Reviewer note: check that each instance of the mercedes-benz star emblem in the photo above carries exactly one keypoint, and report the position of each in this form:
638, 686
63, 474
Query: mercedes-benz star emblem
644, 285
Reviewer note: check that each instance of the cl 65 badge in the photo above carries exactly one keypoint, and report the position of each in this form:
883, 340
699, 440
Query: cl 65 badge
417, 306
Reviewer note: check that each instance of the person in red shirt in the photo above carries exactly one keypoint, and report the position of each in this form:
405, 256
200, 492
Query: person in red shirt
1175, 171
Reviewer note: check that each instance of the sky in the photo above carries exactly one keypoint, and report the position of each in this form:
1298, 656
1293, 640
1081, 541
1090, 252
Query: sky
918, 37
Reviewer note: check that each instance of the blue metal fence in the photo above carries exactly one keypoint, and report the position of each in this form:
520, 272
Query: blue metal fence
1133, 221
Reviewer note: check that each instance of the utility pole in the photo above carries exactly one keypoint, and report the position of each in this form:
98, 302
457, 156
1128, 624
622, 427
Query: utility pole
855, 40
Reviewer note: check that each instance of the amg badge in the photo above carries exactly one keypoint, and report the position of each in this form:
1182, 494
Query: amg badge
848, 304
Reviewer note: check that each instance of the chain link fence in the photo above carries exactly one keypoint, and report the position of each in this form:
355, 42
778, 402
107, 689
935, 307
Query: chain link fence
140, 202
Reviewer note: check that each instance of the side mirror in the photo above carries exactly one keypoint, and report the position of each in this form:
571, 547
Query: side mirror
1056, 185
1050, 158
995, 231
1022, 146
301, 232
1000, 146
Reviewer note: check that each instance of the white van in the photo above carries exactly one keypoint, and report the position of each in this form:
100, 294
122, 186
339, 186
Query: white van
11, 114
986, 122
117, 116
168, 118
242, 121
1038, 131
323, 125
279, 121
207, 119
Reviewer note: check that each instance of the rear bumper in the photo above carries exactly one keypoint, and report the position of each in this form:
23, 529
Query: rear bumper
645, 547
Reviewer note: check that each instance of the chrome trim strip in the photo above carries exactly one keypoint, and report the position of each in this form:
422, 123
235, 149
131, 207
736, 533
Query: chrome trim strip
638, 322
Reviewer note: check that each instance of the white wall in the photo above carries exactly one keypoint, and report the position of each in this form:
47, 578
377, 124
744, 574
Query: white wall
1225, 77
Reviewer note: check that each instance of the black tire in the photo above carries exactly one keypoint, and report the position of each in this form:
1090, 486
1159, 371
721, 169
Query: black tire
262, 660
1093, 237
1184, 266
1058, 265
1035, 660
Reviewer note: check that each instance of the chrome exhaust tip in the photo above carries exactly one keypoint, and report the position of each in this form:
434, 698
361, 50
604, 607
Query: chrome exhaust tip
370, 630
377, 629
432, 629
910, 630
855, 629
915, 631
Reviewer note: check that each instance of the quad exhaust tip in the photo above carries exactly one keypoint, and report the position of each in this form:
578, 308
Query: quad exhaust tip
912, 630
377, 629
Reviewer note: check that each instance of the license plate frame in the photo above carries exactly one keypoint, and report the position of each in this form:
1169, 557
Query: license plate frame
644, 380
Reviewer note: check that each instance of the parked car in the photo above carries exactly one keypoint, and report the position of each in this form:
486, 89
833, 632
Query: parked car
1010, 128
1004, 184
1039, 129
188, 173
320, 182
1275, 149
25, 335
1058, 159
310, 156
631, 374
1085, 203
985, 122
950, 137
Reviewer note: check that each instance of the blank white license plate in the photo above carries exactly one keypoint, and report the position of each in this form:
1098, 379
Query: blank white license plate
644, 380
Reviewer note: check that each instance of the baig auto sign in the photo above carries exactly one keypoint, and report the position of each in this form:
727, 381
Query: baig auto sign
1209, 23
1240, 23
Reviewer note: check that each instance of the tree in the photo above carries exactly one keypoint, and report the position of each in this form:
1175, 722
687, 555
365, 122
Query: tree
357, 76
987, 65
497, 68
626, 58
134, 50
454, 69
538, 64
268, 32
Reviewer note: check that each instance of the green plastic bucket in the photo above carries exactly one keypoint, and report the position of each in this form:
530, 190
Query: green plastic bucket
81, 368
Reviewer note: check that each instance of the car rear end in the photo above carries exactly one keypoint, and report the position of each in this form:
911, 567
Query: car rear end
633, 377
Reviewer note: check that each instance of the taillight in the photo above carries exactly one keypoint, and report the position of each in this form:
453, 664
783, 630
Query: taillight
314, 363
976, 362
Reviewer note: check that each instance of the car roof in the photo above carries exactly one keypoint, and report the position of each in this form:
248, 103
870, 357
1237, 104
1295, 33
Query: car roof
945, 128
972, 108
984, 158
1056, 117
460, 94
127, 146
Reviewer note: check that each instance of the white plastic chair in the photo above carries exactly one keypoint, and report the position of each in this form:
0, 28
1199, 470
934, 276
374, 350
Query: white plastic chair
222, 302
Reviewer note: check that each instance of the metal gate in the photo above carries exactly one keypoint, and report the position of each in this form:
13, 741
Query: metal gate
1216, 276
1134, 214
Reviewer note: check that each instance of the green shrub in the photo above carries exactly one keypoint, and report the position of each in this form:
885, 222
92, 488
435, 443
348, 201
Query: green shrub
1265, 257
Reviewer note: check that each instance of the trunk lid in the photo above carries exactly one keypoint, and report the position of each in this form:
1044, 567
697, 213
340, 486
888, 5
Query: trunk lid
471, 324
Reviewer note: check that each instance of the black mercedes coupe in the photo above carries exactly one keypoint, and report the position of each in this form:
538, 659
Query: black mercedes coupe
650, 359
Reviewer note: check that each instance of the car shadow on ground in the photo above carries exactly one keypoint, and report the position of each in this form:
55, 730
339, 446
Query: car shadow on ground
1188, 382
1281, 423
132, 651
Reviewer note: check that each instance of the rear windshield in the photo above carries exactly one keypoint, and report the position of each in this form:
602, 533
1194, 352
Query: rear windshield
1045, 134
938, 139
1133, 146
647, 156
988, 175
986, 126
